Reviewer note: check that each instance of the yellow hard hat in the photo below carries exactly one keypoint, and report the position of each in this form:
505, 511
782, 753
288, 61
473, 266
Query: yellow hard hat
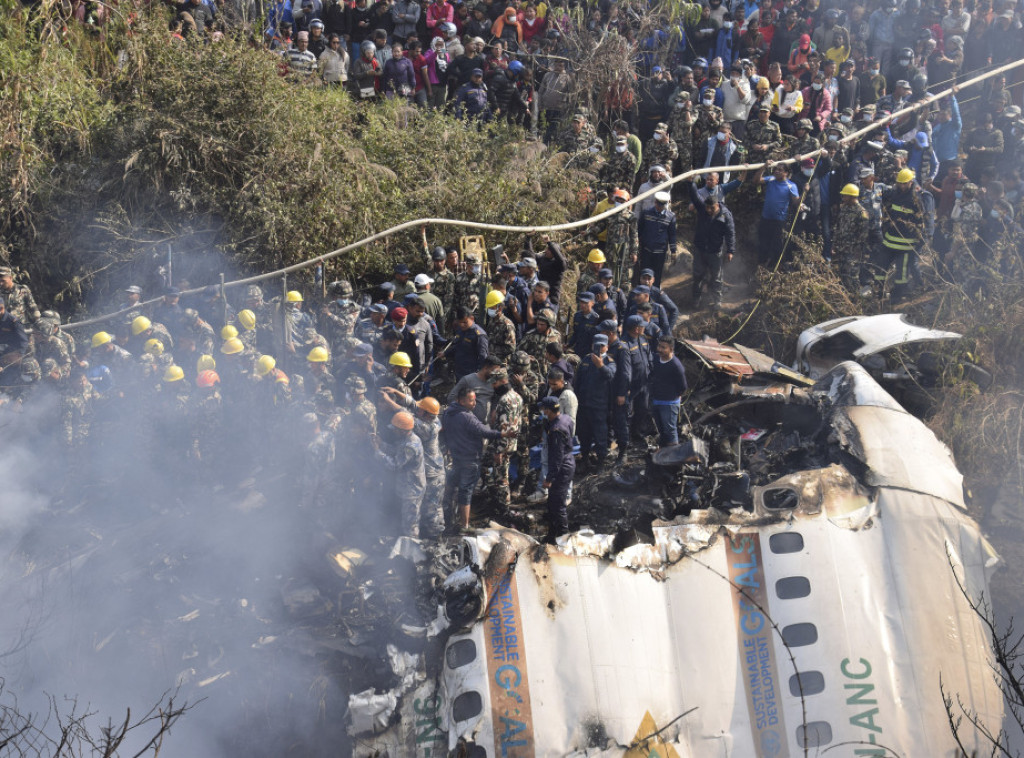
494, 299
596, 256
318, 355
205, 363
430, 405
228, 332
247, 319
265, 365
403, 420
101, 338
293, 296
851, 190
140, 324
232, 346
154, 346
905, 175
173, 374
400, 359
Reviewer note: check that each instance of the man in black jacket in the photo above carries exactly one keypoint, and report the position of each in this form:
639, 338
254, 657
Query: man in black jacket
559, 430
714, 238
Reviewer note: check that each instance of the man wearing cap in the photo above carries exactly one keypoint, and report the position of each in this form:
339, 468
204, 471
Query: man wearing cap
659, 296
866, 158
301, 62
657, 176
638, 348
920, 155
604, 306
653, 95
579, 138
543, 332
132, 298
805, 142
401, 282
641, 295
896, 100
584, 324
763, 136
505, 414
660, 149
617, 296
469, 347
680, 129
168, 311
593, 385
18, 299
551, 267
619, 169
558, 432
709, 118
431, 302
656, 231
870, 199
714, 244
471, 99
369, 329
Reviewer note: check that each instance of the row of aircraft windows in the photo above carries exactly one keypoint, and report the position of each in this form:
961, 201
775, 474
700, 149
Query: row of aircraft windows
805, 683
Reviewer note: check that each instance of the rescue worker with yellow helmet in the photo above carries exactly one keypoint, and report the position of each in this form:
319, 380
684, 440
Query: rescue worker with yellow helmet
850, 237
589, 276
142, 329
902, 233
317, 373
104, 351
399, 367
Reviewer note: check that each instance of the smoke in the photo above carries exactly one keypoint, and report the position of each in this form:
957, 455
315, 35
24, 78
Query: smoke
130, 569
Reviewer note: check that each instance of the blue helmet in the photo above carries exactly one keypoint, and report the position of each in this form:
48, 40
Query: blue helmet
100, 378
516, 68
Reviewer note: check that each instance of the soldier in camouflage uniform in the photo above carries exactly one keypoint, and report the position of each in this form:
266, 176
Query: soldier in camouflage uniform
660, 149
525, 378
49, 346
967, 216
200, 331
467, 286
595, 261
76, 410
889, 164
443, 274
709, 118
65, 337
405, 461
501, 332
580, 140
763, 136
358, 407
805, 141
315, 476
850, 238
535, 340
680, 130
619, 169
338, 317
18, 298
507, 415
623, 244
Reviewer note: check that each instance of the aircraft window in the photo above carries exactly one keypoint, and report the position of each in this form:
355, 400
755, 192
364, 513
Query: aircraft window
460, 653
814, 734
781, 499
786, 542
806, 683
798, 635
467, 705
791, 588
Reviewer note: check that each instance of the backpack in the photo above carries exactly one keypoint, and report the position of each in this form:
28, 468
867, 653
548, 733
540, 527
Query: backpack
441, 62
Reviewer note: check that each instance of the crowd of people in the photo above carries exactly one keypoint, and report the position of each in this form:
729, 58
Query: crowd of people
533, 378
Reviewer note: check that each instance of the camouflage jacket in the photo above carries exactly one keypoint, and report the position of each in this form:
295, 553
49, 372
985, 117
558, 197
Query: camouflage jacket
76, 415
506, 414
21, 304
680, 130
533, 343
444, 288
467, 291
767, 134
709, 118
851, 231
501, 336
803, 146
660, 152
618, 171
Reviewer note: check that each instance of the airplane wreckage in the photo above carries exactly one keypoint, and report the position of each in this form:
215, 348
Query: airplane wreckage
789, 580
795, 578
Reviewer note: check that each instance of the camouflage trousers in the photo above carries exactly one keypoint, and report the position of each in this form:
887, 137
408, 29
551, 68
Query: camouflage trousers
431, 515
495, 475
847, 263
411, 506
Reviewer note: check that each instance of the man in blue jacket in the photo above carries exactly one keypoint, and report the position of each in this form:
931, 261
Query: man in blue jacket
593, 387
657, 232
558, 429
714, 238
946, 131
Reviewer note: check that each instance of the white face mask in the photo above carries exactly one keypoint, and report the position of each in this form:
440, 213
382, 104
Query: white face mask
845, 119
680, 105
833, 138
722, 136
659, 136
875, 71
727, 24
620, 148
492, 312
807, 171
816, 86
994, 214
709, 102
904, 61
476, 268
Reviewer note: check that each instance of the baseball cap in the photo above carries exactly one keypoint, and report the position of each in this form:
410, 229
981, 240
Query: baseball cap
647, 272
422, 280
401, 268
608, 325
600, 339
585, 297
528, 263
605, 273
634, 321
598, 289
641, 289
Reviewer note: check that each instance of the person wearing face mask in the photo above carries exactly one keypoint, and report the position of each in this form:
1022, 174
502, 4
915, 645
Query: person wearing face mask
817, 104
501, 332
680, 130
622, 243
804, 143
619, 169
660, 150
726, 42
721, 149
654, 93
798, 63
966, 219
873, 84
738, 99
437, 62
903, 68
763, 137
847, 89
707, 123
